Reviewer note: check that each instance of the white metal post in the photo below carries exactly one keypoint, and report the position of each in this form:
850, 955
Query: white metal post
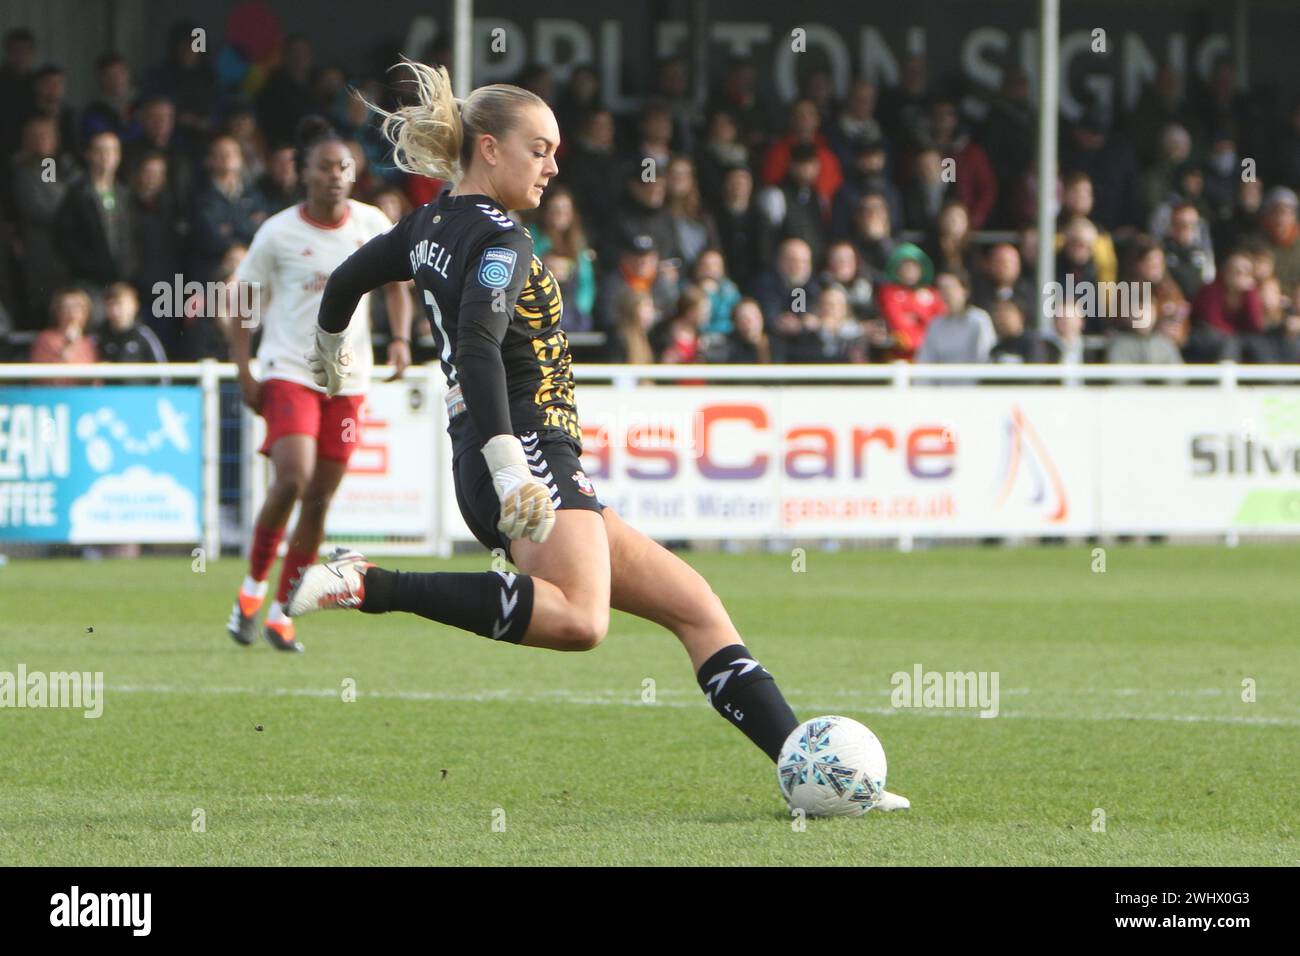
210, 382
462, 47
1049, 42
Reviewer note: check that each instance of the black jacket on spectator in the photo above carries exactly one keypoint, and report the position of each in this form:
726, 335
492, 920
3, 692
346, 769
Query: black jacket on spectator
775, 296
217, 221
746, 240
136, 344
804, 219
82, 235
160, 257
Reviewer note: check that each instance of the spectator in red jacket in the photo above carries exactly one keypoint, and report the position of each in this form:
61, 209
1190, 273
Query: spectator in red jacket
1224, 309
977, 185
805, 123
907, 300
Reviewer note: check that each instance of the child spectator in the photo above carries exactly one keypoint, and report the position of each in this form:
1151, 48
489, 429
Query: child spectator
749, 344
1064, 344
635, 316
122, 338
1015, 344
907, 301
711, 276
65, 340
831, 333
678, 338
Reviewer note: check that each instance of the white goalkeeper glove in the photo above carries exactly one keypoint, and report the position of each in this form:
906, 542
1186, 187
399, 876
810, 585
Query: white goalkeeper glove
527, 510
331, 361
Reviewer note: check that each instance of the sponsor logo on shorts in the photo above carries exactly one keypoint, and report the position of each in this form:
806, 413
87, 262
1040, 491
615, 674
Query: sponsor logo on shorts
497, 267
584, 483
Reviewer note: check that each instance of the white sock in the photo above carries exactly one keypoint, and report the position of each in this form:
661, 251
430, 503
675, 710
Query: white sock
254, 588
276, 613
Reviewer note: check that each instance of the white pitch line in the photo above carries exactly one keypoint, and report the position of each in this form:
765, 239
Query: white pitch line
621, 699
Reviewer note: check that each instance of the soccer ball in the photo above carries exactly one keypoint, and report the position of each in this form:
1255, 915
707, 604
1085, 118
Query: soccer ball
831, 767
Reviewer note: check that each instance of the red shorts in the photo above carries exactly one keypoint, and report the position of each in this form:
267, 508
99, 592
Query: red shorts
293, 409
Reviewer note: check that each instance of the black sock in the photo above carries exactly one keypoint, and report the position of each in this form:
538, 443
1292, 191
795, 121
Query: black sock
742, 691
496, 604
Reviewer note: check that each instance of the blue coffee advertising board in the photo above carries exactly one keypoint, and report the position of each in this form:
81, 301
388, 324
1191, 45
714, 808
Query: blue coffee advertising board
101, 465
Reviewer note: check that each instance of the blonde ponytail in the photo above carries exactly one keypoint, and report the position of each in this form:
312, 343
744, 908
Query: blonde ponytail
435, 136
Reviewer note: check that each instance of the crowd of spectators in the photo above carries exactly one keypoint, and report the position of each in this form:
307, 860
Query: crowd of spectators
887, 224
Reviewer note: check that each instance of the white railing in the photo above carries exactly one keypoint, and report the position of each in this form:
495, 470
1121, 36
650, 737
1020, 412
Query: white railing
907, 373
1224, 373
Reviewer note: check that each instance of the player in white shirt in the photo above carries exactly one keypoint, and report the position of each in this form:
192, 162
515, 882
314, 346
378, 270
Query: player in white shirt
309, 435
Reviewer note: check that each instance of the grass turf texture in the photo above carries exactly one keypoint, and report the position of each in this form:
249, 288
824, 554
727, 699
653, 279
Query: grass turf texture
1119, 690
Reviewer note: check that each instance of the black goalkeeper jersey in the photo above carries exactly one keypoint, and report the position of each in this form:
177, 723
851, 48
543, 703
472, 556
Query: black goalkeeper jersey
494, 307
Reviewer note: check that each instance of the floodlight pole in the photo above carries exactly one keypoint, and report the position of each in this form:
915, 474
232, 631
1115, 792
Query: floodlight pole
462, 50
1049, 44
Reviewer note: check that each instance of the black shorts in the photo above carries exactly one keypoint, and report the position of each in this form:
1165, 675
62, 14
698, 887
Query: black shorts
553, 456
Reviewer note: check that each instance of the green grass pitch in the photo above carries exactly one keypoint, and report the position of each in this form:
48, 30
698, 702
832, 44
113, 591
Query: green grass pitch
1120, 692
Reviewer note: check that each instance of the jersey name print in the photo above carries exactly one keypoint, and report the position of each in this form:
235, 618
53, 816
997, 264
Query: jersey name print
481, 284
427, 253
